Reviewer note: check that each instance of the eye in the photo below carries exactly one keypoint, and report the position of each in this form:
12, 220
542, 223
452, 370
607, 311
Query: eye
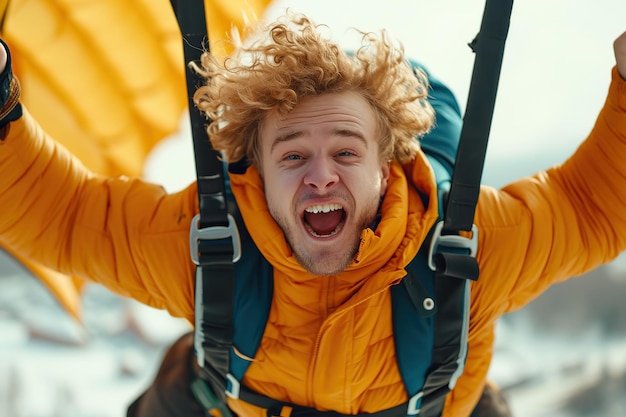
292, 157
345, 153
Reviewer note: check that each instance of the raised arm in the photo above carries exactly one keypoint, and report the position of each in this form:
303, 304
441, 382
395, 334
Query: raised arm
125, 233
564, 221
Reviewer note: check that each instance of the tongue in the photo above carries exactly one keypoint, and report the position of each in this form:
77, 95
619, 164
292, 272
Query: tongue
324, 223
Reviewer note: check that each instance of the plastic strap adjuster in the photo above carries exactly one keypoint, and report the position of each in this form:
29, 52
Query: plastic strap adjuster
233, 387
415, 404
451, 241
213, 233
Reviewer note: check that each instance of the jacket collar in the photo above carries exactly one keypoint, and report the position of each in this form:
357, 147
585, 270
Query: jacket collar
404, 223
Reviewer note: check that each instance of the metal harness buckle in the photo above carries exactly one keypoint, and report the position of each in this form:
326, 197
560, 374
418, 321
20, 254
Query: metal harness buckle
213, 233
451, 241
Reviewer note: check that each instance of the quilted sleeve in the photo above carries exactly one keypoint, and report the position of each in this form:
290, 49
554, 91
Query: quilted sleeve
558, 223
125, 233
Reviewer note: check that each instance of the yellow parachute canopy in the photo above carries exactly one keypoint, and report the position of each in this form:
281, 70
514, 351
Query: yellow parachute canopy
106, 79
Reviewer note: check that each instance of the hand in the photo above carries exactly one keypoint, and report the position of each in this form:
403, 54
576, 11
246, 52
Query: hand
619, 47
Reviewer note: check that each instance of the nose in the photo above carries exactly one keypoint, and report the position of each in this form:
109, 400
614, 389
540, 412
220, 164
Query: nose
321, 173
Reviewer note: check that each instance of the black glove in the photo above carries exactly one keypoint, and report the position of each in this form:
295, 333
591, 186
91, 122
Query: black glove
10, 107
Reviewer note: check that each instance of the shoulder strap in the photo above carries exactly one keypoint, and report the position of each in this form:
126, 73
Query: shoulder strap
214, 237
452, 256
489, 48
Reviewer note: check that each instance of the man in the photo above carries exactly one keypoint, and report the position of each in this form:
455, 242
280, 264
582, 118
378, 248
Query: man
338, 198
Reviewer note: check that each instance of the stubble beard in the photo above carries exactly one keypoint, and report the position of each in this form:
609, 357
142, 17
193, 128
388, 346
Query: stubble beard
330, 261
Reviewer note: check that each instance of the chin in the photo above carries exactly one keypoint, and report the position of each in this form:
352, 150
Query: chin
328, 263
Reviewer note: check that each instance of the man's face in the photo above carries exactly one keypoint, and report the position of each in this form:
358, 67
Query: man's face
323, 177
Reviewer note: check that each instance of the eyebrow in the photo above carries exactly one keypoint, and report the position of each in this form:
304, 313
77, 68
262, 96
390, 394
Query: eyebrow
337, 132
286, 138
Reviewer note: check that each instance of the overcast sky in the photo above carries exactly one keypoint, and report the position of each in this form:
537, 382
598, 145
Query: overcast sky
554, 78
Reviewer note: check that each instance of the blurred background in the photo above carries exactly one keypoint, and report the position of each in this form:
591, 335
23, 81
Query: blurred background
68, 349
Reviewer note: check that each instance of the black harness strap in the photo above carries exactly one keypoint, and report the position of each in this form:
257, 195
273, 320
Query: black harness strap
489, 48
453, 256
214, 238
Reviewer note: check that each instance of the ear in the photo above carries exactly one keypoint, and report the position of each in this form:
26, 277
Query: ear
384, 178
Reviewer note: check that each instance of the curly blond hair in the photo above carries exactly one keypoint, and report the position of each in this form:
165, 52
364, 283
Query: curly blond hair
295, 60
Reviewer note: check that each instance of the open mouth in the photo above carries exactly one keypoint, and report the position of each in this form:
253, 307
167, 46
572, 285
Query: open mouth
324, 220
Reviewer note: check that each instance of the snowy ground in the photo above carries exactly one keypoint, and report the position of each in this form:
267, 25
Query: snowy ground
52, 367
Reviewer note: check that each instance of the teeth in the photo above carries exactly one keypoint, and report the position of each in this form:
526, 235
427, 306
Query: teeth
333, 233
323, 208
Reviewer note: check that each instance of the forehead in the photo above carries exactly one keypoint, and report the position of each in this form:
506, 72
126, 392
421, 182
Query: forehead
348, 109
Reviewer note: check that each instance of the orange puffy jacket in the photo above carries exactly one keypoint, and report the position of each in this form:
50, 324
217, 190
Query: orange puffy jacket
328, 343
